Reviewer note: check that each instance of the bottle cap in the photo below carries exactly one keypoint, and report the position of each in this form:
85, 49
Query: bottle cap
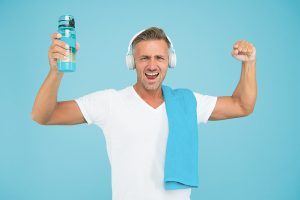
66, 21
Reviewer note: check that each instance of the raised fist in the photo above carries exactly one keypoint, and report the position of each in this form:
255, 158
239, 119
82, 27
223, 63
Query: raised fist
244, 51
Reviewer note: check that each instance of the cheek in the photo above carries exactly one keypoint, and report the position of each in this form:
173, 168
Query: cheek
139, 71
164, 69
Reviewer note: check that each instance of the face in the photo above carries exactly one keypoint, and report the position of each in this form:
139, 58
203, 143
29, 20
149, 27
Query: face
151, 61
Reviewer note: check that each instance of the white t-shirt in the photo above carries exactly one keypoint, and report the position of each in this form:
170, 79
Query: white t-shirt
136, 136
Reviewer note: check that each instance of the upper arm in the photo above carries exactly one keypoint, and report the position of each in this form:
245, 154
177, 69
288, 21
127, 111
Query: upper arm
227, 107
66, 113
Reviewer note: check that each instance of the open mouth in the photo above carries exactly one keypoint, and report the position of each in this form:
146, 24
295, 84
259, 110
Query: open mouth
151, 75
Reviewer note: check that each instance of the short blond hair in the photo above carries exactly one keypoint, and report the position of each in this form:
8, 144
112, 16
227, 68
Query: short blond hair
152, 33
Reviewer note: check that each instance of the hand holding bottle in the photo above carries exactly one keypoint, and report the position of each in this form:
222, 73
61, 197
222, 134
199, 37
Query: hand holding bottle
58, 50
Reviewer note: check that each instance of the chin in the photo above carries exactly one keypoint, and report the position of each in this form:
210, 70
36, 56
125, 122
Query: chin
153, 86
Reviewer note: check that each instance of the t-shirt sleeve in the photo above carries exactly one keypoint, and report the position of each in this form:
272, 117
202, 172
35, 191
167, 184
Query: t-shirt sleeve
205, 106
95, 106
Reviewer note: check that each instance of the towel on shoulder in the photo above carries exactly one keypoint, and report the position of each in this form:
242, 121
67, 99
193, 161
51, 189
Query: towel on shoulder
181, 162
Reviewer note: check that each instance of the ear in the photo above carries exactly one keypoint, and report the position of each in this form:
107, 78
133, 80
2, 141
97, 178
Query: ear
130, 62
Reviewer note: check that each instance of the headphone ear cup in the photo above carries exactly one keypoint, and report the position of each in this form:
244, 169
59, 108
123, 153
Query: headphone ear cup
172, 60
130, 61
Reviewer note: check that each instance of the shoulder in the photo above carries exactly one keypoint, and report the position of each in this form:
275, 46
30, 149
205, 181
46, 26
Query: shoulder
177, 91
108, 92
99, 94
182, 95
185, 93
102, 96
205, 101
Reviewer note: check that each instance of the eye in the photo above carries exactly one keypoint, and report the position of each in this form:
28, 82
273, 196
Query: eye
143, 58
160, 58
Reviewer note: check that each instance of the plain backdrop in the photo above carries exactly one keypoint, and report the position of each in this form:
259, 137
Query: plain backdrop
256, 157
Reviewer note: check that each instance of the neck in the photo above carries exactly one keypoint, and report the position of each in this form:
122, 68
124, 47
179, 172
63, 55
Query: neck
152, 97
144, 93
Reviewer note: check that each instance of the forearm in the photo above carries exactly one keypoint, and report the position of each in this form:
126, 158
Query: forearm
46, 99
246, 89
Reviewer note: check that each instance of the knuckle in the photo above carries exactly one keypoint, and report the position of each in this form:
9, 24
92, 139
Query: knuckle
54, 55
50, 55
57, 42
51, 48
57, 49
58, 56
54, 47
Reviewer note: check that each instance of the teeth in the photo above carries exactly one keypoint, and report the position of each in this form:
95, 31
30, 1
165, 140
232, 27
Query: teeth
152, 74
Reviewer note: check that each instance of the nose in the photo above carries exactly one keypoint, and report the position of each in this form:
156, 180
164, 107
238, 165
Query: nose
152, 64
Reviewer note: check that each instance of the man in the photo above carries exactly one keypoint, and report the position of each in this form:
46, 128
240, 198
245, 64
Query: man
134, 119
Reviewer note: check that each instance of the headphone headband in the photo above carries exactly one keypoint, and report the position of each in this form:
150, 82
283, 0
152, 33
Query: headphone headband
130, 42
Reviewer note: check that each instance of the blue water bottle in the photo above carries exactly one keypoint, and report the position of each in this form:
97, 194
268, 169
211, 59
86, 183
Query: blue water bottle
66, 27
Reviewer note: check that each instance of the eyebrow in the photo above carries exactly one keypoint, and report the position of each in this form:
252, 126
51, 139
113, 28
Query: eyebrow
150, 56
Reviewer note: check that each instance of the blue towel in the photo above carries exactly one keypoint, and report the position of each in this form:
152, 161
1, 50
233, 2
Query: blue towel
181, 162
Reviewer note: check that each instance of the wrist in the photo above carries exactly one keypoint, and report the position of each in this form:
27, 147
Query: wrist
55, 73
249, 62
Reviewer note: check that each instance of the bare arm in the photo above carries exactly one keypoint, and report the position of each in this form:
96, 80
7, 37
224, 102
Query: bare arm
46, 110
242, 101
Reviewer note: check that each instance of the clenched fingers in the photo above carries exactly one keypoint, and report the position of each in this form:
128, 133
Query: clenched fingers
57, 56
244, 51
58, 49
60, 43
243, 47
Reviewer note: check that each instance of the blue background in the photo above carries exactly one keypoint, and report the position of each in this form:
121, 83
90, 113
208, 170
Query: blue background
256, 157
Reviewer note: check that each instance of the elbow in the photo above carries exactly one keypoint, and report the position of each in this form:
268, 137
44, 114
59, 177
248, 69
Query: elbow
245, 108
248, 111
37, 119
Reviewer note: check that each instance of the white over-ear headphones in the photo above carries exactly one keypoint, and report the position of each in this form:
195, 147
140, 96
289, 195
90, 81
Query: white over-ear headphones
130, 59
